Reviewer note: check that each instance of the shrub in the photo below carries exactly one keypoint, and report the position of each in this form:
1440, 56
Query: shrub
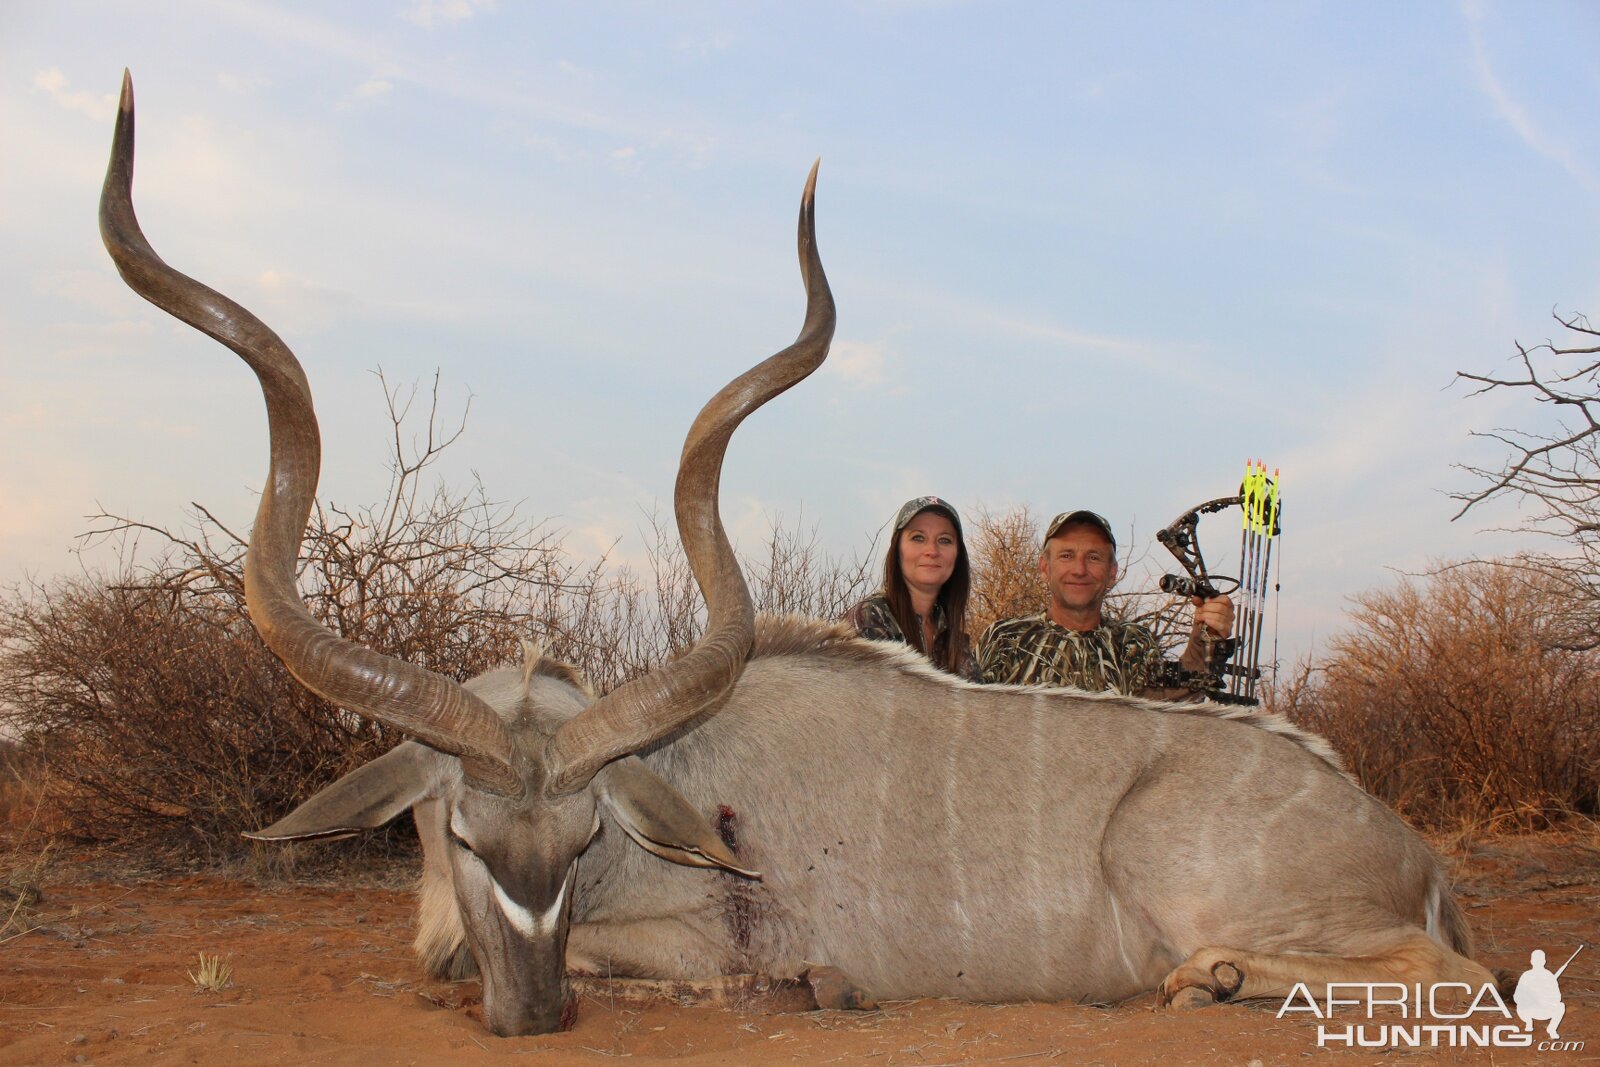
1449, 700
153, 714
1004, 553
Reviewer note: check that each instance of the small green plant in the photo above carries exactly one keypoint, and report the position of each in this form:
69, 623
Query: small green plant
213, 975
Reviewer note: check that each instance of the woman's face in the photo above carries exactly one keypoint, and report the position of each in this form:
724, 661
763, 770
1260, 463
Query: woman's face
928, 549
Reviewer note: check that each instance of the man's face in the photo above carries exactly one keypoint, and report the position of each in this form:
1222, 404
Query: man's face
1079, 567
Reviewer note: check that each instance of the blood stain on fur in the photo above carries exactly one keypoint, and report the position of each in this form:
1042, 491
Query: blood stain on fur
725, 828
740, 905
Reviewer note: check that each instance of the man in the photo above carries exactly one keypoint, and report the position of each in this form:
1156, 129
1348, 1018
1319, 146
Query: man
1072, 644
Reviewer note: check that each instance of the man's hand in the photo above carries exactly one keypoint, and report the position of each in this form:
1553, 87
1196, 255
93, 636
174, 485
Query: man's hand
1213, 620
1215, 615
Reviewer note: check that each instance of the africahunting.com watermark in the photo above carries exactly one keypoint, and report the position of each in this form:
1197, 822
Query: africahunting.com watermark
1442, 1015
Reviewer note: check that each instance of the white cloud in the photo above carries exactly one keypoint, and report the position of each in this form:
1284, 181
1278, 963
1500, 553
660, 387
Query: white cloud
699, 46
32, 529
425, 12
101, 108
623, 154
298, 306
1181, 361
373, 90
33, 416
861, 364
84, 341
1514, 114
239, 84
552, 148
95, 287
329, 37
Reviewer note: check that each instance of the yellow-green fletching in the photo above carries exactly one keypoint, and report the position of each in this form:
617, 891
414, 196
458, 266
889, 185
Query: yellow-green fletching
1272, 523
1258, 510
1252, 499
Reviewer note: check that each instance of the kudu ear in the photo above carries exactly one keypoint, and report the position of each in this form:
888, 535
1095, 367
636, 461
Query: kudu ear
659, 820
364, 799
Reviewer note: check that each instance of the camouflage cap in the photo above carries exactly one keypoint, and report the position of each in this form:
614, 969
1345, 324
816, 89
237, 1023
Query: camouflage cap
912, 508
1087, 518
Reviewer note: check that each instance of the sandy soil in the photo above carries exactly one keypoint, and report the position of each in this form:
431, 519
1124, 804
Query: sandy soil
325, 976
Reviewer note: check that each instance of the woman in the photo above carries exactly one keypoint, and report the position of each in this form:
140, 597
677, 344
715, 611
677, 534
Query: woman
926, 579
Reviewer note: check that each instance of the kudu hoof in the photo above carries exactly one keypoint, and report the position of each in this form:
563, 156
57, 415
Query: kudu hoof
1505, 982
836, 992
1225, 981
1228, 980
1190, 998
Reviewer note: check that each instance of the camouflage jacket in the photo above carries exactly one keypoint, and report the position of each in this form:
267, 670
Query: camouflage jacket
872, 619
1123, 656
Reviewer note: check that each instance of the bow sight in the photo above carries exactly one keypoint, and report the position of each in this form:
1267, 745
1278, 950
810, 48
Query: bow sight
1257, 500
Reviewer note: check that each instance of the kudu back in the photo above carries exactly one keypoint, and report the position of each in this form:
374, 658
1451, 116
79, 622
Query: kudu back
787, 794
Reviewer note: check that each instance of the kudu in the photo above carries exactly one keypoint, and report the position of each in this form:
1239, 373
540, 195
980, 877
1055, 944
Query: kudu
925, 836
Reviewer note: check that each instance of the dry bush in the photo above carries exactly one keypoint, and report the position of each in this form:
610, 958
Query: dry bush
446, 580
155, 715
616, 624
158, 716
793, 576
1004, 552
20, 778
1448, 701
24, 861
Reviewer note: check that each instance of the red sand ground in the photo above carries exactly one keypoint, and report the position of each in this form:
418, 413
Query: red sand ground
326, 976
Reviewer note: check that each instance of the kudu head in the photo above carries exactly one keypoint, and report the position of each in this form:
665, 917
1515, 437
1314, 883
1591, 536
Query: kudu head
521, 764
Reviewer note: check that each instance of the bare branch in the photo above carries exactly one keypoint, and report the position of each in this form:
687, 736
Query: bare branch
177, 723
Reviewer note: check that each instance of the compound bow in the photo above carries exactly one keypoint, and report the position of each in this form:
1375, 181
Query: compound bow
1222, 681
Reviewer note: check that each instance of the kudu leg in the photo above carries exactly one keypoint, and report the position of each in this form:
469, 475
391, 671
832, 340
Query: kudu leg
647, 948
1217, 974
672, 950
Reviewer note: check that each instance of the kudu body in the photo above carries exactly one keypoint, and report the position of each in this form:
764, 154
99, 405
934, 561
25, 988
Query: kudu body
824, 799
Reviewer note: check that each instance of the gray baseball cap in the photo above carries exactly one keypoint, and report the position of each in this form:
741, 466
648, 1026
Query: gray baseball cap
912, 508
1086, 518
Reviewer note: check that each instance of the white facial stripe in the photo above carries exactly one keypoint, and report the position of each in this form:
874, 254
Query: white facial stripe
527, 924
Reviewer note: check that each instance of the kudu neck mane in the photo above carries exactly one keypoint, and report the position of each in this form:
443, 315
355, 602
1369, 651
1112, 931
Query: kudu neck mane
785, 636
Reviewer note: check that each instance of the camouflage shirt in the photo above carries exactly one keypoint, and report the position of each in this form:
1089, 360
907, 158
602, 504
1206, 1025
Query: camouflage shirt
1033, 650
872, 619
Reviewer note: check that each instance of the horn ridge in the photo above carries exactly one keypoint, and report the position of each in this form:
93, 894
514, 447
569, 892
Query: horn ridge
650, 707
434, 709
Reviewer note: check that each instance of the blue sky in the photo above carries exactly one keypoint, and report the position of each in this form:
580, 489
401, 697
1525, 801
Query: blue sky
1084, 254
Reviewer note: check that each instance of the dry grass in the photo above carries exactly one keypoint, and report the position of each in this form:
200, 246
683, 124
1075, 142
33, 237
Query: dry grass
213, 975
21, 893
26, 850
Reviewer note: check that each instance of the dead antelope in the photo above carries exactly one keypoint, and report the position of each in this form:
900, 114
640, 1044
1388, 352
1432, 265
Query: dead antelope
925, 836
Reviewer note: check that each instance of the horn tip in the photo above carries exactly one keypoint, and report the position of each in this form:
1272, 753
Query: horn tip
126, 102
811, 182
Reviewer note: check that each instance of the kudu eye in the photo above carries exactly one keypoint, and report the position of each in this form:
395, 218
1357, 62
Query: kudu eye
459, 841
